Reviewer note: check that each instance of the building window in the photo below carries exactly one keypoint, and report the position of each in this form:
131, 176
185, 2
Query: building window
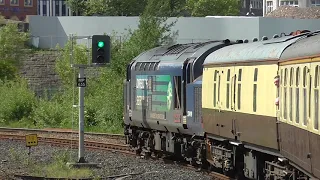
269, 6
57, 6
315, 2
256, 4
14, 2
2, 2
289, 3
44, 8
64, 8
28, 3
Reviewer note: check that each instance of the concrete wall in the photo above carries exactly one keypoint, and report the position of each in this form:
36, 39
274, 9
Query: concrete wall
55, 30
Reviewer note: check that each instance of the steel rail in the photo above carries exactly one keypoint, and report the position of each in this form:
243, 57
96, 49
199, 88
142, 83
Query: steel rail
62, 131
67, 142
88, 144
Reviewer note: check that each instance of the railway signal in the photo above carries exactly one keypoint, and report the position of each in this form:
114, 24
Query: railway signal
100, 49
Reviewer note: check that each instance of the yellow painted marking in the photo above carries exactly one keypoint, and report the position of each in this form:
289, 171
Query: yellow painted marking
31, 140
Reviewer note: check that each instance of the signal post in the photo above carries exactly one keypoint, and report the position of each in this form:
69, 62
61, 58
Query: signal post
101, 55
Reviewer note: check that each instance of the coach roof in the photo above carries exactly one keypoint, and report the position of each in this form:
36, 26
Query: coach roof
306, 47
251, 52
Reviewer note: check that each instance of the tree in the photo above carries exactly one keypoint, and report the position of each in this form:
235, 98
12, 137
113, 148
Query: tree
77, 6
100, 7
165, 8
213, 7
115, 7
12, 48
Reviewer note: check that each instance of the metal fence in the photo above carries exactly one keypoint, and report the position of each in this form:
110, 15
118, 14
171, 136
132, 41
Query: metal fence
51, 42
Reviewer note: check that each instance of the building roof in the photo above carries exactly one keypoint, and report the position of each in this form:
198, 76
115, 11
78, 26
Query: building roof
295, 12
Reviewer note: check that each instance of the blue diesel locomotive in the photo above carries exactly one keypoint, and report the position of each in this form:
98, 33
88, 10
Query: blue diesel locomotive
162, 99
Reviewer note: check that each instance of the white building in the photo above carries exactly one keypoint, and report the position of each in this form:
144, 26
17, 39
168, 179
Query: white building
53, 8
271, 5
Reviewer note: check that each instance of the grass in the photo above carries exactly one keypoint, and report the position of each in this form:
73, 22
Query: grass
112, 128
59, 168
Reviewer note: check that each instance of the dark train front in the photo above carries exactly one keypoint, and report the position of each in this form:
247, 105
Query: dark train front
159, 114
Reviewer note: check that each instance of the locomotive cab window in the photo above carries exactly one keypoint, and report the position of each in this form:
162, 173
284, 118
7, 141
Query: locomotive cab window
177, 92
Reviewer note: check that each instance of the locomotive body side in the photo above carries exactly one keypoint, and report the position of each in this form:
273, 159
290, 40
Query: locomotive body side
157, 93
299, 100
239, 110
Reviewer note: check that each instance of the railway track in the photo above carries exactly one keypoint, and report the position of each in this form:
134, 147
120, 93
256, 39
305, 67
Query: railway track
111, 143
73, 143
60, 131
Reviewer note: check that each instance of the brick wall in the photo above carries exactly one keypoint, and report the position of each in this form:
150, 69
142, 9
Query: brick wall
38, 69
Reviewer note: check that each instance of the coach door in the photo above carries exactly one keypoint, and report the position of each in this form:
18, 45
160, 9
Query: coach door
313, 125
236, 100
226, 101
295, 83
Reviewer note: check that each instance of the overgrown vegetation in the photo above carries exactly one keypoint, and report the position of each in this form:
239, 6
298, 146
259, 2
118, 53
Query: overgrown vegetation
55, 168
59, 168
103, 94
168, 8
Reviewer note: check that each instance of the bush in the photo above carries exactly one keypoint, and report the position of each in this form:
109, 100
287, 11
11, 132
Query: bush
17, 100
104, 95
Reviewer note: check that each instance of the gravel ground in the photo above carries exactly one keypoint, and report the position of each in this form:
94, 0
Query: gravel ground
13, 158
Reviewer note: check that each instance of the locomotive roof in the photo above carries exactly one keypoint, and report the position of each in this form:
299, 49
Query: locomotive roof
305, 47
177, 52
250, 52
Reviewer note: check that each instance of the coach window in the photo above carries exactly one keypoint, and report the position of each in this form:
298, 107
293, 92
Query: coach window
215, 88
228, 89
239, 88
255, 78
285, 93
297, 94
305, 96
290, 93
316, 99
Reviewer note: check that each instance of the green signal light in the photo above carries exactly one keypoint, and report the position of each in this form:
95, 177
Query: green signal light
100, 44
